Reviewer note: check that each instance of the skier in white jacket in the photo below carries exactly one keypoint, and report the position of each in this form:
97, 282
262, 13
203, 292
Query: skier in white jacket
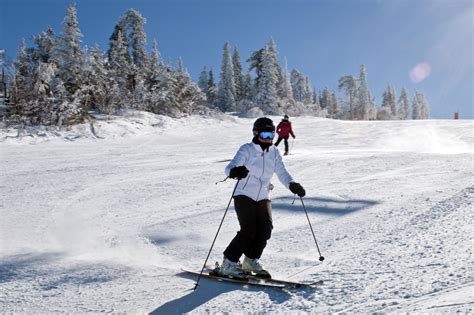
254, 165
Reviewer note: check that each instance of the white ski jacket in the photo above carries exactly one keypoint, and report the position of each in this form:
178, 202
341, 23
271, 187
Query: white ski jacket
261, 165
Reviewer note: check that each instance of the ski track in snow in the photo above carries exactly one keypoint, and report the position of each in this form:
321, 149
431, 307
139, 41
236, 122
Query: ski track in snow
104, 222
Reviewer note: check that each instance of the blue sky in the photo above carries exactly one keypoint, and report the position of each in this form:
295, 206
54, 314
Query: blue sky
323, 39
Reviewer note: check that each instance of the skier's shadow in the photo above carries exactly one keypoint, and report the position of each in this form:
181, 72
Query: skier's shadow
323, 205
210, 289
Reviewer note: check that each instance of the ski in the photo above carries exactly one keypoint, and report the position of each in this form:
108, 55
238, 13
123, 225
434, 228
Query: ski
253, 280
244, 281
289, 283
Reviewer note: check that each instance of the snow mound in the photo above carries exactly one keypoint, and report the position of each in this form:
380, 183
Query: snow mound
426, 139
129, 124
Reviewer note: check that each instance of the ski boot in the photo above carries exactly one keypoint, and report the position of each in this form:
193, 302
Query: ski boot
230, 269
254, 267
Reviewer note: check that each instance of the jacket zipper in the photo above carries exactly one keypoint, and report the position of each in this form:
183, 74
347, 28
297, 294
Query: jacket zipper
248, 177
263, 171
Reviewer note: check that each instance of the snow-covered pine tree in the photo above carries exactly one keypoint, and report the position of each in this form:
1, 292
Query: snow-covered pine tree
349, 84
424, 107
315, 99
325, 100
99, 83
248, 91
119, 65
188, 94
416, 106
154, 72
155, 57
133, 24
127, 54
180, 65
96, 79
308, 99
334, 108
226, 91
211, 89
266, 97
21, 85
272, 47
298, 85
45, 44
203, 80
393, 102
385, 112
372, 107
238, 77
286, 91
363, 101
68, 52
403, 105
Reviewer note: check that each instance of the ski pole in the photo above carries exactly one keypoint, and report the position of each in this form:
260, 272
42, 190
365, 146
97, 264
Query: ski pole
215, 237
321, 258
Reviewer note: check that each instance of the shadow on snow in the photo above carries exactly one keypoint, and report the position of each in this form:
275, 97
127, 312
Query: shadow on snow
322, 205
49, 273
208, 290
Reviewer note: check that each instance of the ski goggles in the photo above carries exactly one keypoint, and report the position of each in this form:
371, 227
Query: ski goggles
266, 134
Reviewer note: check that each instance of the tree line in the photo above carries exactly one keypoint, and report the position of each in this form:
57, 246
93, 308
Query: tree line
57, 82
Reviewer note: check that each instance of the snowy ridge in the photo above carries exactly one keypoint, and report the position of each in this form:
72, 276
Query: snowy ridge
106, 224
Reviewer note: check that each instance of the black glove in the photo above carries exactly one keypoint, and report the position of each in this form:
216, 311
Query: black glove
293, 136
296, 188
238, 172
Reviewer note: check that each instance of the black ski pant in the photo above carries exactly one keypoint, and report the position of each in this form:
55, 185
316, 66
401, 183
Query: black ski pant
255, 219
286, 142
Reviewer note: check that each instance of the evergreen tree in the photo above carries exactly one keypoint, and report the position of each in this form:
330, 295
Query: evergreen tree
266, 96
424, 110
188, 94
385, 112
180, 65
416, 106
393, 102
21, 84
226, 92
69, 55
248, 87
403, 105
362, 107
308, 94
155, 69
286, 89
119, 62
132, 22
45, 44
211, 89
372, 107
155, 59
99, 83
334, 106
272, 48
316, 98
299, 86
349, 84
238, 77
325, 100
203, 80
127, 53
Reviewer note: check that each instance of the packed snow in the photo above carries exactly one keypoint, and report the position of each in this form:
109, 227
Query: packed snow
102, 217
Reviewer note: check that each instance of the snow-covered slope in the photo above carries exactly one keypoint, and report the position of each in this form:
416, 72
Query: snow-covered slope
102, 219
